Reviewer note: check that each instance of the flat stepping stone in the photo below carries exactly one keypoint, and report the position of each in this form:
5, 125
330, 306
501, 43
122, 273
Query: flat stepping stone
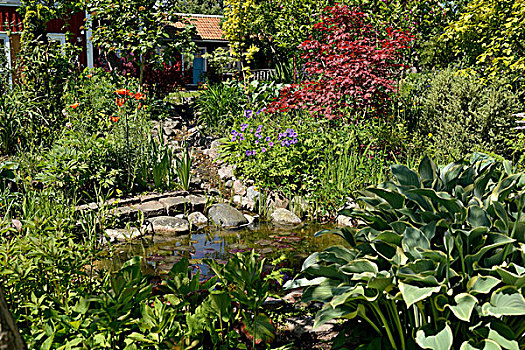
198, 219
197, 202
126, 213
173, 205
170, 225
226, 216
151, 209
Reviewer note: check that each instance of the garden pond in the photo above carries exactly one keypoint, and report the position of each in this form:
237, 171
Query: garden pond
161, 252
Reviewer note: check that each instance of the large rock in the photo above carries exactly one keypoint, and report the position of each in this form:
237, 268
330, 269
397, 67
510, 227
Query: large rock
197, 202
226, 173
283, 216
343, 220
151, 209
198, 219
239, 188
226, 216
170, 224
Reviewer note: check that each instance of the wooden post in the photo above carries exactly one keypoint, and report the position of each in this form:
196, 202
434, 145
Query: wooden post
10, 339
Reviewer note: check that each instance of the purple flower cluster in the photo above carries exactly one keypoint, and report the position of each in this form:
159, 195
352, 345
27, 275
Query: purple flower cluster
264, 142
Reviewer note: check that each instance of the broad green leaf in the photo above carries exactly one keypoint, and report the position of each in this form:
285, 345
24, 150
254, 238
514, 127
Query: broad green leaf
259, 327
303, 282
358, 266
428, 171
514, 278
464, 305
477, 216
482, 284
505, 302
488, 345
413, 294
395, 199
414, 238
405, 176
328, 313
502, 341
441, 341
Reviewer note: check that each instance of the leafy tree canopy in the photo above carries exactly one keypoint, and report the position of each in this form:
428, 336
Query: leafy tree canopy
489, 36
205, 7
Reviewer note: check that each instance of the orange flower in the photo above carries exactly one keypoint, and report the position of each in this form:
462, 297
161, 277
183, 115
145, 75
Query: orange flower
114, 119
120, 102
74, 105
139, 96
89, 75
140, 105
122, 92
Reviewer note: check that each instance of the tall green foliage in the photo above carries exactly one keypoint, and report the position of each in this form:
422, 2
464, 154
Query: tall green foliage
437, 259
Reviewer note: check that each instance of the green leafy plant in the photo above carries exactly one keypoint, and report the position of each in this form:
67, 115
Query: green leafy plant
183, 168
436, 261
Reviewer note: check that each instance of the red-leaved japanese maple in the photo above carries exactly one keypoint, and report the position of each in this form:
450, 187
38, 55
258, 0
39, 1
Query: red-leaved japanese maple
349, 64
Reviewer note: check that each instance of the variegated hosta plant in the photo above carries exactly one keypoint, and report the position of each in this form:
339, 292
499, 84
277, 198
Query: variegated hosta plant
436, 261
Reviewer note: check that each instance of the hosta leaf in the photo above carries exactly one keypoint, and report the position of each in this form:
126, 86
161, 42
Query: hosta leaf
381, 283
303, 282
413, 294
502, 341
502, 189
464, 305
405, 176
414, 238
390, 237
477, 216
323, 292
428, 171
441, 341
514, 278
452, 205
494, 240
480, 184
395, 199
482, 284
505, 302
358, 266
487, 345
328, 313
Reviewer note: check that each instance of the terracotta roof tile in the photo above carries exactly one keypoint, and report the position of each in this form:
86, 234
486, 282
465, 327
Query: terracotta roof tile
208, 27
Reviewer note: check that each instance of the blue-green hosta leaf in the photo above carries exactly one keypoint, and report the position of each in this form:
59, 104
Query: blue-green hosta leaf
502, 341
494, 240
428, 171
312, 259
487, 345
414, 238
405, 176
421, 270
328, 313
303, 282
359, 266
395, 199
342, 253
478, 217
357, 292
429, 230
390, 237
482, 284
413, 294
324, 292
451, 204
505, 302
381, 283
465, 303
400, 258
441, 341
480, 183
513, 275
502, 189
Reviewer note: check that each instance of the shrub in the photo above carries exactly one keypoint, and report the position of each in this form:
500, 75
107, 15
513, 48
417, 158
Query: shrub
454, 115
350, 65
437, 259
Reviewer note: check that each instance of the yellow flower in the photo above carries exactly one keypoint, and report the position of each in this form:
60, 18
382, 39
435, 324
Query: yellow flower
430, 134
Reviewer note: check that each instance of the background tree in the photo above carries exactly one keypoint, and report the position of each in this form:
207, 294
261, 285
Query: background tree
205, 7
143, 31
489, 37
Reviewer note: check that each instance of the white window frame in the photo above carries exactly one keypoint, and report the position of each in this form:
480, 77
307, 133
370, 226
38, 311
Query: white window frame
59, 37
7, 52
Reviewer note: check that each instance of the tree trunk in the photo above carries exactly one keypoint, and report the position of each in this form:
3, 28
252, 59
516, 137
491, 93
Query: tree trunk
10, 339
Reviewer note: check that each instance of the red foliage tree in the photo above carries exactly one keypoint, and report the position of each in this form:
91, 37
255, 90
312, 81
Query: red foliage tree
349, 64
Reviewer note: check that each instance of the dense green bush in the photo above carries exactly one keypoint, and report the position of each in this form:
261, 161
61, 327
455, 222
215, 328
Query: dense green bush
437, 259
454, 115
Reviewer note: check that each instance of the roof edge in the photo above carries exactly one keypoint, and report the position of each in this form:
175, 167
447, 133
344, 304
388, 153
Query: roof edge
198, 15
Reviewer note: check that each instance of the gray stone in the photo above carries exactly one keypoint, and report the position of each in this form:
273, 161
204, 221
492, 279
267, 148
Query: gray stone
170, 224
173, 205
121, 234
226, 172
228, 184
343, 220
197, 202
180, 216
252, 194
239, 188
151, 209
126, 213
243, 202
283, 216
226, 216
198, 219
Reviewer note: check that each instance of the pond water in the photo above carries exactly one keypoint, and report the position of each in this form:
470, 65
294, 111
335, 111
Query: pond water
161, 252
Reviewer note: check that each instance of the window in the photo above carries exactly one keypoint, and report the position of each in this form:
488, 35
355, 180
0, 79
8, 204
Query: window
58, 38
